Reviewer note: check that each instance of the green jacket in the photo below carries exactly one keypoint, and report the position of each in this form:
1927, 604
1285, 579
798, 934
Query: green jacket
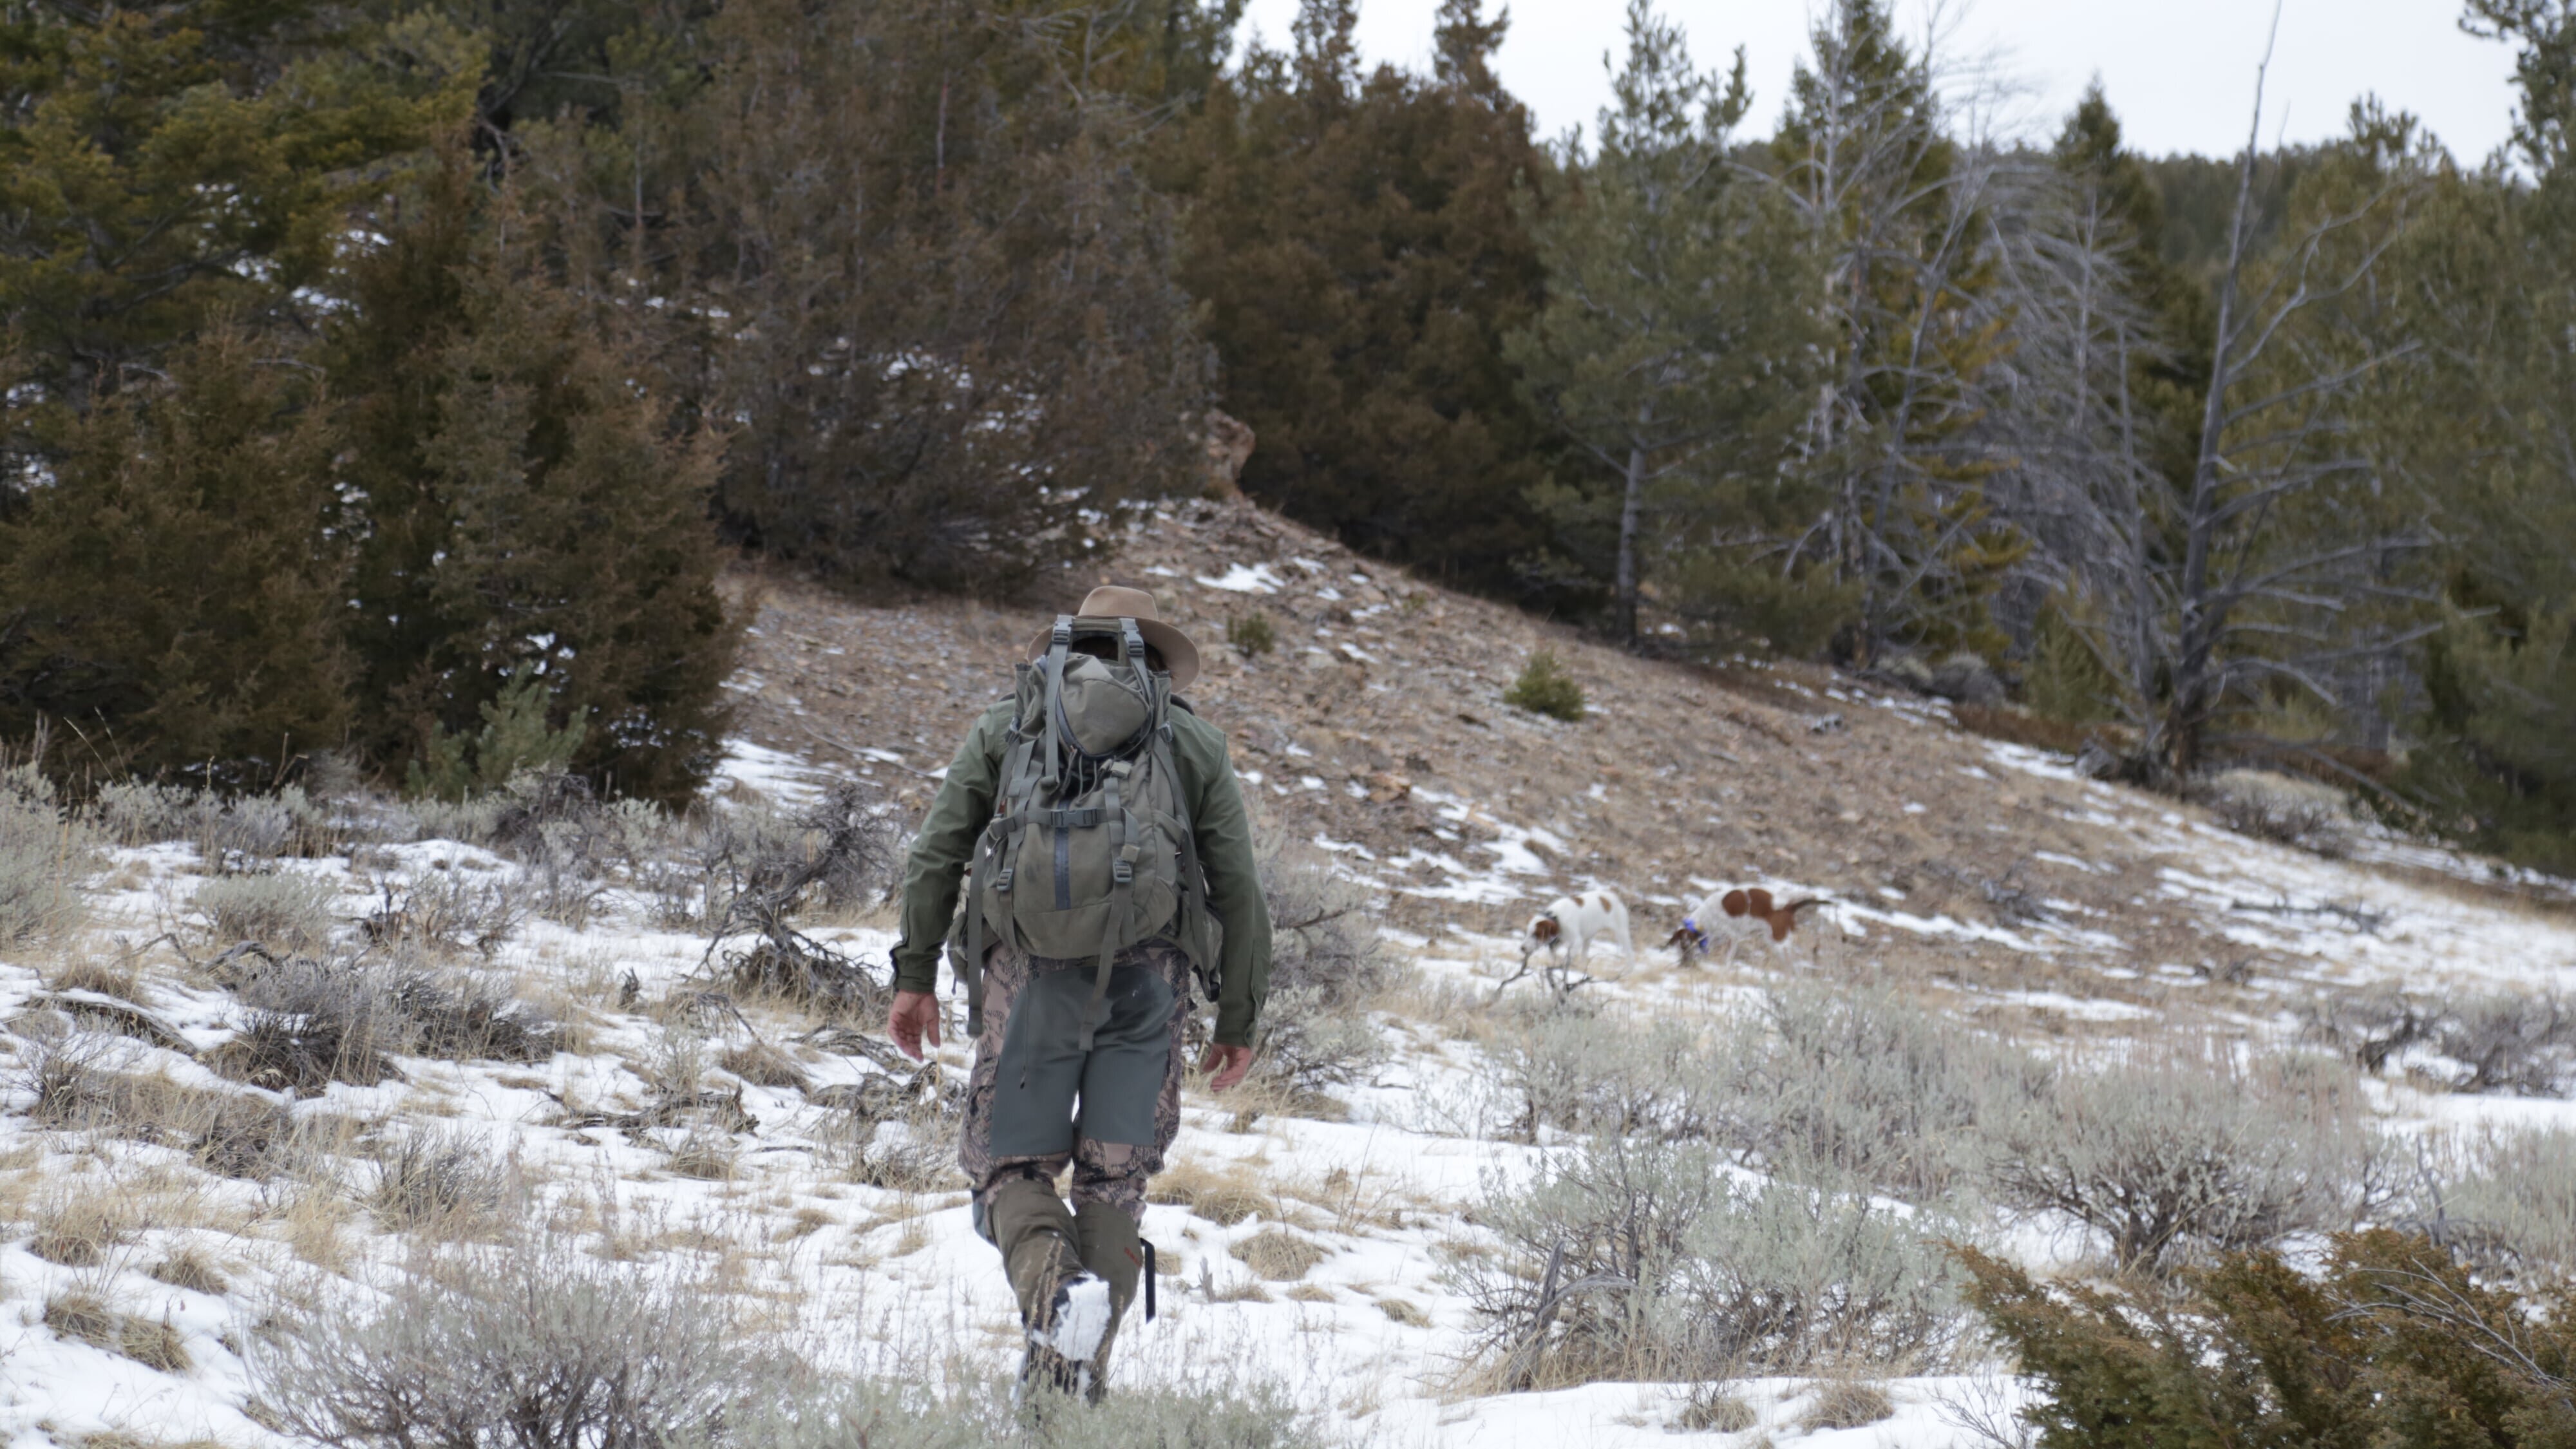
935, 871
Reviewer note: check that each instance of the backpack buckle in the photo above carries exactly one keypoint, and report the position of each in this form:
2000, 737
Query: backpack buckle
1122, 872
1002, 882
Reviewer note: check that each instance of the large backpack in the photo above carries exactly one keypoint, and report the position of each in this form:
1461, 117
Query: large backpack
1089, 847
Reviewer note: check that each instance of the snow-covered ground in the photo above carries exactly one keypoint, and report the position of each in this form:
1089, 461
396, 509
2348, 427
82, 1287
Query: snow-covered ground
1375, 1335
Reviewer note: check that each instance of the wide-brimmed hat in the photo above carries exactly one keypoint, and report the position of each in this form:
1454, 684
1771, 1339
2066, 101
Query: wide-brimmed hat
1109, 601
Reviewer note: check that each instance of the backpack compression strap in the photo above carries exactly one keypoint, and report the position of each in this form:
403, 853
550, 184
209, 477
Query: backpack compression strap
1123, 852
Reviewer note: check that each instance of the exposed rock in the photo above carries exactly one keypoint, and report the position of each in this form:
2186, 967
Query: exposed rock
1229, 447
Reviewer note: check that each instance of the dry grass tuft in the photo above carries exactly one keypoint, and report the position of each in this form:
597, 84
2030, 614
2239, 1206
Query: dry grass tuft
1712, 1410
1223, 1197
1846, 1404
78, 1223
191, 1269
763, 1065
82, 1318
1279, 1255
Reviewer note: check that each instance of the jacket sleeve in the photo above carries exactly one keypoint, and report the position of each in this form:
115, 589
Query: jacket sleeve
936, 865
1223, 834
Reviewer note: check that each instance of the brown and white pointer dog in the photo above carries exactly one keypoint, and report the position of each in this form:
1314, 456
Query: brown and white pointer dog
1567, 929
1738, 916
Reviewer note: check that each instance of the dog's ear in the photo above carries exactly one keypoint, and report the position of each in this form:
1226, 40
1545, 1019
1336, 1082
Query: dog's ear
1736, 903
1543, 929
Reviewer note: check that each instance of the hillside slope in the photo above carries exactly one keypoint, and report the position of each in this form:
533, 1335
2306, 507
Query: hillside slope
1376, 727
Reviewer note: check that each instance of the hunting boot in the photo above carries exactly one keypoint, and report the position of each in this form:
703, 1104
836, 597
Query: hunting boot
1065, 1310
1113, 1253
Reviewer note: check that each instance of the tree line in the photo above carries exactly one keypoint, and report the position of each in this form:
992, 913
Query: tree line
378, 376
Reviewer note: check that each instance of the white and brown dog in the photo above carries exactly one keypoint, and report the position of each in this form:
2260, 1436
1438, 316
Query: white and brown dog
1567, 929
1738, 916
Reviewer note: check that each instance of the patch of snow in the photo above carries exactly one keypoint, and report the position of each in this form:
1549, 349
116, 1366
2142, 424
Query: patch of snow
1244, 579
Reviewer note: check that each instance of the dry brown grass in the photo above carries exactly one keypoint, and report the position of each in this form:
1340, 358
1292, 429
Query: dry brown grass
1846, 1404
312, 1222
1404, 1311
84, 968
763, 1065
80, 1220
191, 1268
1223, 1195
82, 1318
1279, 1255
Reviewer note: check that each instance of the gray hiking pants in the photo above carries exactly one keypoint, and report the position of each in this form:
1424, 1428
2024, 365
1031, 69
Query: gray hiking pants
1037, 1101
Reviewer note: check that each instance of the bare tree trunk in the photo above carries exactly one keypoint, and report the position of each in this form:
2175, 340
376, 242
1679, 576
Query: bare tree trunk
1631, 506
2198, 632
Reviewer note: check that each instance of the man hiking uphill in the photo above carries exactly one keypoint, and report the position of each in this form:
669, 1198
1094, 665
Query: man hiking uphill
1102, 843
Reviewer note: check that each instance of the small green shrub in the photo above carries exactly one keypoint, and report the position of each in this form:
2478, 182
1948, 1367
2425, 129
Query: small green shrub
1545, 688
1628, 1259
2168, 1161
2517, 1201
515, 740
283, 911
1251, 634
1327, 962
44, 851
2392, 1342
541, 1345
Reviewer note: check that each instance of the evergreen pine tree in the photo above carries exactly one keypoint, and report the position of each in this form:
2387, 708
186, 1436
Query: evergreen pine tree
1909, 288
1673, 348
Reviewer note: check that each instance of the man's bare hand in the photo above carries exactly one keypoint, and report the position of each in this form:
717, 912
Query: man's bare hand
913, 1019
1227, 1064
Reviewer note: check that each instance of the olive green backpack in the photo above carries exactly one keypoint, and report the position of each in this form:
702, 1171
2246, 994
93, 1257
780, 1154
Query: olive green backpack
1089, 848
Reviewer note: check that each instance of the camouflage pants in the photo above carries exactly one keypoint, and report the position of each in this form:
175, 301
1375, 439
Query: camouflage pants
1111, 1172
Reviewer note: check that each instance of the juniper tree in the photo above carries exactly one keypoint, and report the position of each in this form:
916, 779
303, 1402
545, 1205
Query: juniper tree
936, 294
526, 506
169, 164
170, 592
1353, 243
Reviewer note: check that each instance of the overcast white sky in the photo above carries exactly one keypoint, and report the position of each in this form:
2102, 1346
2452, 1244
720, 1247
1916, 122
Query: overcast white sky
2179, 72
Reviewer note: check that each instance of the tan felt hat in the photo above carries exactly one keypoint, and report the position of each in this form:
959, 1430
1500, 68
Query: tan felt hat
1109, 601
